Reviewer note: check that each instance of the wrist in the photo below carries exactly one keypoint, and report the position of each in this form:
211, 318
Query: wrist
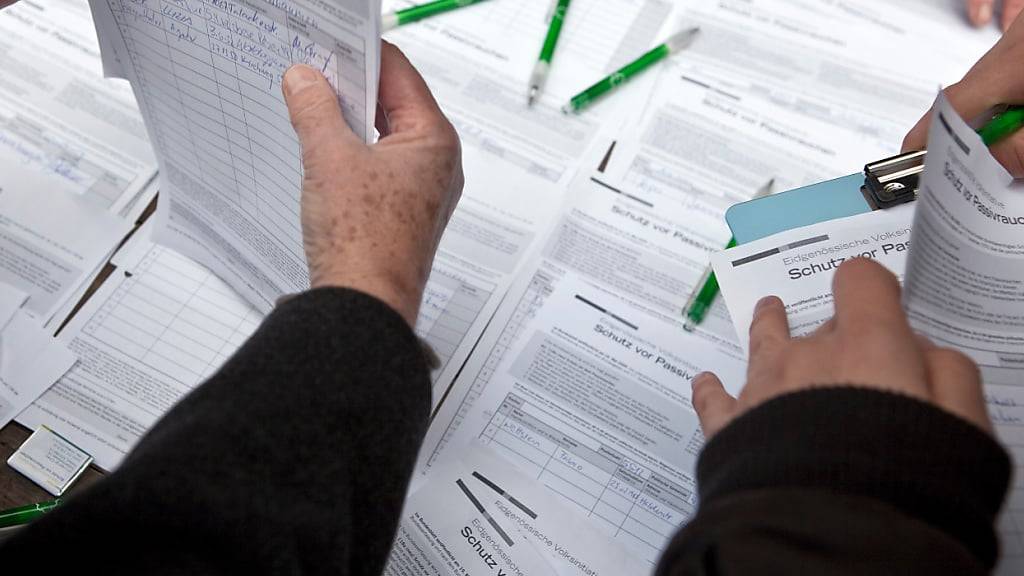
924, 461
402, 294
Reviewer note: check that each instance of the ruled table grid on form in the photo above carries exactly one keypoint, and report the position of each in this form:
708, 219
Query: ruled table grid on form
174, 317
539, 289
210, 73
1003, 392
634, 502
451, 304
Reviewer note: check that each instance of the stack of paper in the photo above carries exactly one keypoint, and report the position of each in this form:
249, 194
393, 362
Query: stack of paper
59, 117
554, 301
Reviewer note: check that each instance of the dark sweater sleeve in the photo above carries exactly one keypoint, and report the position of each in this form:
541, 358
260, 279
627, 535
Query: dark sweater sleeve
845, 481
293, 459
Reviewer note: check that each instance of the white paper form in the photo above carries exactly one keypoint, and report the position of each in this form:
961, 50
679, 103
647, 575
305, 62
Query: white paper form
452, 528
207, 75
30, 361
11, 300
962, 291
60, 117
799, 91
518, 161
479, 255
869, 67
172, 323
594, 401
797, 265
478, 61
502, 217
156, 328
965, 284
650, 248
521, 504
51, 240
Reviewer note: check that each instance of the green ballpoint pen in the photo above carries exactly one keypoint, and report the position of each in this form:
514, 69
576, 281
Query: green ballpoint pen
998, 128
416, 13
675, 43
707, 288
1003, 125
540, 71
25, 514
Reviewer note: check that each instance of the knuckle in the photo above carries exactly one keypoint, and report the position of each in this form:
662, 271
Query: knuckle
703, 391
947, 359
768, 305
857, 267
861, 271
700, 400
395, 50
1015, 164
757, 345
766, 310
451, 134
882, 332
309, 107
444, 135
762, 346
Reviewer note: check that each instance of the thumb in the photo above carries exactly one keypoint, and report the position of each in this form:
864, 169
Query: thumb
715, 407
315, 115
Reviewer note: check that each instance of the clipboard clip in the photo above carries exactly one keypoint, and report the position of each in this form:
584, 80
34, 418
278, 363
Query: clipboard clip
893, 181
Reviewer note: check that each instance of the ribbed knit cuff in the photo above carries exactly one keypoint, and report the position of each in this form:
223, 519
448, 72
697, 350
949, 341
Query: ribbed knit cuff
920, 459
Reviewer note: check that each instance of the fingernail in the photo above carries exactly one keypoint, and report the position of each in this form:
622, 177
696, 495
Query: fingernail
982, 14
299, 77
763, 303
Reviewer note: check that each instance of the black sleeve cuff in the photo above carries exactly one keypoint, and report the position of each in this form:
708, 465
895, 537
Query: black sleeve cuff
920, 459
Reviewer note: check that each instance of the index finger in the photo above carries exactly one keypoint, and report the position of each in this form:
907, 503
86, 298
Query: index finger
769, 329
404, 96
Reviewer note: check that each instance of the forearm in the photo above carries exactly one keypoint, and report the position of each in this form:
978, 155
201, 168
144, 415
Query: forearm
295, 456
845, 481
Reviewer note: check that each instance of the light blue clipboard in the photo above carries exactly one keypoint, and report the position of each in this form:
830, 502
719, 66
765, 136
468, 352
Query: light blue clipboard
829, 200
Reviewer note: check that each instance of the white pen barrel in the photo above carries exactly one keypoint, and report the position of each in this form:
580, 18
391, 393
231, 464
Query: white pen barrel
388, 21
682, 39
539, 77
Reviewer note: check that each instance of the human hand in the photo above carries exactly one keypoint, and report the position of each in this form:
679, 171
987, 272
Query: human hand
372, 216
868, 344
994, 80
980, 12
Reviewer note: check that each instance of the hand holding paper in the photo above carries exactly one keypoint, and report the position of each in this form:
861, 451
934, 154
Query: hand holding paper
372, 216
991, 83
868, 343
963, 264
